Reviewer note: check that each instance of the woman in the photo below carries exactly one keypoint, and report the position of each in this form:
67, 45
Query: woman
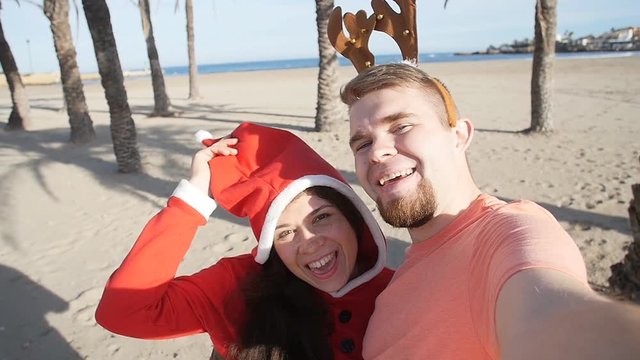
305, 292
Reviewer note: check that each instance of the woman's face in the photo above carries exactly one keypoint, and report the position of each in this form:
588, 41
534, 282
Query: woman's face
316, 242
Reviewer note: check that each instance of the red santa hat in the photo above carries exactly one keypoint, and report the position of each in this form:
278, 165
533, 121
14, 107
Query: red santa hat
271, 168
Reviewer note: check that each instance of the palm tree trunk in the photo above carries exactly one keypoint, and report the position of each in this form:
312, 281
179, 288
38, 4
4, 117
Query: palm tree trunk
542, 69
329, 108
57, 11
19, 117
625, 275
123, 130
194, 91
160, 98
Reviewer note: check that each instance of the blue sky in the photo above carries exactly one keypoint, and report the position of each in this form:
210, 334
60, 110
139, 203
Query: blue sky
250, 30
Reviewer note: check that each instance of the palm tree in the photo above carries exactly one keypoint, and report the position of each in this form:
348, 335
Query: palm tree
329, 109
123, 130
542, 70
57, 11
19, 117
625, 275
160, 98
194, 91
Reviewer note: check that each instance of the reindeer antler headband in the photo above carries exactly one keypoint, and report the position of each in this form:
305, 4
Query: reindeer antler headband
400, 26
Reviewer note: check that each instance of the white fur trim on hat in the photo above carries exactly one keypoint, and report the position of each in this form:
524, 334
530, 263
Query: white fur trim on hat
296, 187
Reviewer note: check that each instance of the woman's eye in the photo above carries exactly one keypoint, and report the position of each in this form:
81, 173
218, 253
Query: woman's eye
320, 217
283, 234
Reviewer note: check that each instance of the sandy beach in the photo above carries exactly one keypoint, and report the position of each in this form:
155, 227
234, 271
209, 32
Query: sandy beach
67, 218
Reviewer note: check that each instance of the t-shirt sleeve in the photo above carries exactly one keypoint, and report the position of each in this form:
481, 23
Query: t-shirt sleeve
517, 236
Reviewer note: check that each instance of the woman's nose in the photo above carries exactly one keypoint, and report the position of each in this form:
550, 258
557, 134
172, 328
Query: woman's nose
311, 242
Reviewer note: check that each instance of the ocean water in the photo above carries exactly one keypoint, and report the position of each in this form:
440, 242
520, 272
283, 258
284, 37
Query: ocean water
381, 59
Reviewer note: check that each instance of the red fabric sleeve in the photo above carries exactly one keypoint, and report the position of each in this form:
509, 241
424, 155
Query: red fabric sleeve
143, 299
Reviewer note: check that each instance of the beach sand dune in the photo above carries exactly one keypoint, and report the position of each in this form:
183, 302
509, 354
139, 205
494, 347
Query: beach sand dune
67, 218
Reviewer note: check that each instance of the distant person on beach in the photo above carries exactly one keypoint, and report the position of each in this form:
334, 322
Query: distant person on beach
483, 279
305, 292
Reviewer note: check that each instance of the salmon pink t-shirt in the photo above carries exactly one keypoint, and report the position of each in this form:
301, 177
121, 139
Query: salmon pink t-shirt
441, 302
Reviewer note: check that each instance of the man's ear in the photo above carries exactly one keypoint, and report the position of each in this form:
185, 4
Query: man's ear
464, 133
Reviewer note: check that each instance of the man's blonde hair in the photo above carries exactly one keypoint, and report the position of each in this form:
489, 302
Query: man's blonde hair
402, 75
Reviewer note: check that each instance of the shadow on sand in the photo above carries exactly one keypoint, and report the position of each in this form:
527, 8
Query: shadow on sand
24, 330
163, 140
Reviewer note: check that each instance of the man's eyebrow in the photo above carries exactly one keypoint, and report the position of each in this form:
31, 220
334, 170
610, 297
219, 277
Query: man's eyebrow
355, 138
359, 135
395, 117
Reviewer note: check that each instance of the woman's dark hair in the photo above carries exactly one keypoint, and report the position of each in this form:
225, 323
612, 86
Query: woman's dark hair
286, 317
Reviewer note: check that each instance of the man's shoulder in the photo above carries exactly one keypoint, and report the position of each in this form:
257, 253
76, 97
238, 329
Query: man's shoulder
509, 213
523, 206
514, 207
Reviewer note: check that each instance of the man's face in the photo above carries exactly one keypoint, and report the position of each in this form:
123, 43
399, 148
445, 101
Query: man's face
404, 156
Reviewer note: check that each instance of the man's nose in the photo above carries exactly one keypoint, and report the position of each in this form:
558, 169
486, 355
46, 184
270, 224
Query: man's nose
381, 149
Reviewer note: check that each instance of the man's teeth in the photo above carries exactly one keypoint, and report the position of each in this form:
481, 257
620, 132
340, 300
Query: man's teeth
383, 180
322, 262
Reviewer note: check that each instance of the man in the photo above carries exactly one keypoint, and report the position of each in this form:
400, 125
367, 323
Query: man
482, 279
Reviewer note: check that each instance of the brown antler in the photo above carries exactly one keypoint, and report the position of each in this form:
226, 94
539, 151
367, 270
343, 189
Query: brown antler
354, 48
401, 27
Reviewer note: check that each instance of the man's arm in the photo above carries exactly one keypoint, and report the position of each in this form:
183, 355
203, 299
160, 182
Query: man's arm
546, 314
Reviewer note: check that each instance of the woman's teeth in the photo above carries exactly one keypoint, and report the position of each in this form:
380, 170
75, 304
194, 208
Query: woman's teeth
318, 264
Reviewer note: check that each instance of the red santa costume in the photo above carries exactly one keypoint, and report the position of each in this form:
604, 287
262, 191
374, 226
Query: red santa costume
143, 297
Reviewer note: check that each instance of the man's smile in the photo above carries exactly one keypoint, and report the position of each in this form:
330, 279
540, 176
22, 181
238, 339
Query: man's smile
395, 175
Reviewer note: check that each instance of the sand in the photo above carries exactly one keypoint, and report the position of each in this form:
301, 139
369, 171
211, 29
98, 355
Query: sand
68, 218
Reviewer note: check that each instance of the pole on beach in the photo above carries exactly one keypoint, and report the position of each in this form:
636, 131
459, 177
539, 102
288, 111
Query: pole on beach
29, 54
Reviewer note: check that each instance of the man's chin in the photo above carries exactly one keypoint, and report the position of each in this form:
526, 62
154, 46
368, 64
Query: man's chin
397, 213
406, 222
408, 210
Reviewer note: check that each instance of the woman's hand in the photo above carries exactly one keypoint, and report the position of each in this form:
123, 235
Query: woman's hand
200, 173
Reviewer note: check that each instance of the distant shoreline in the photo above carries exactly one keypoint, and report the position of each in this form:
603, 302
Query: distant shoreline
49, 78
614, 40
498, 52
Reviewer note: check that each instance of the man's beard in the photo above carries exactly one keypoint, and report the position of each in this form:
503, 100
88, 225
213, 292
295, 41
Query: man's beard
411, 211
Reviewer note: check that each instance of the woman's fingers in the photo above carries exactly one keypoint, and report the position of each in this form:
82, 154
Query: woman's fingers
200, 172
223, 147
